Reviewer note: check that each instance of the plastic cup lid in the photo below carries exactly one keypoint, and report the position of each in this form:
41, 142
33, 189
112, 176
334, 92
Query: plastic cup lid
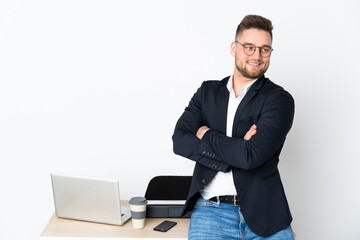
138, 201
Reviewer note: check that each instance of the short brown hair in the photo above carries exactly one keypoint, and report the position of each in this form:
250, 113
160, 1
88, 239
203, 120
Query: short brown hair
255, 21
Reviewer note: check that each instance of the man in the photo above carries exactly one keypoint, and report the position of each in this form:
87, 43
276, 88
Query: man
234, 130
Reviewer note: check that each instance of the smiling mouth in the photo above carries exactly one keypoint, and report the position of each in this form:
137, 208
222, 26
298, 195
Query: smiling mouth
256, 64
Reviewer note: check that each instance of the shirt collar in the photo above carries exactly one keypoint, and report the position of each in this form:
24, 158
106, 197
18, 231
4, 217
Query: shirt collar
244, 90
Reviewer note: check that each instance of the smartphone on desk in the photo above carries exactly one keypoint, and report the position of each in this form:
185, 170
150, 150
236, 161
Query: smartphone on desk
164, 226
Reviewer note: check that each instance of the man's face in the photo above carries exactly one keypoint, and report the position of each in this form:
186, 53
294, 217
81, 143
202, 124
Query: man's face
254, 66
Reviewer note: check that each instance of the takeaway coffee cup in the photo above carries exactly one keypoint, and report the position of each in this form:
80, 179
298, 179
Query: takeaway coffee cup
138, 211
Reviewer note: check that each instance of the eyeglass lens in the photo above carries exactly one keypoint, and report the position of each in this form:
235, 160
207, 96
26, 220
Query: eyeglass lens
249, 49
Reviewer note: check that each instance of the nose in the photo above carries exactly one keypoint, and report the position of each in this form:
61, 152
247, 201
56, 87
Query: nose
257, 54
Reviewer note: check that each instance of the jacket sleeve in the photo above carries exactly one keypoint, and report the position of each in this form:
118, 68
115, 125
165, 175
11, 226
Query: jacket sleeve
185, 142
274, 123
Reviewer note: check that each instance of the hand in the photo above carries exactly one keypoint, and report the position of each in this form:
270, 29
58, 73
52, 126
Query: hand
201, 131
250, 133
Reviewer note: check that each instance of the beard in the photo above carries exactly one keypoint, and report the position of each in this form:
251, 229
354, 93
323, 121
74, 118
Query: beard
253, 74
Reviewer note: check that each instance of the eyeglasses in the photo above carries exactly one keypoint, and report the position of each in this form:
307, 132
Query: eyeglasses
249, 49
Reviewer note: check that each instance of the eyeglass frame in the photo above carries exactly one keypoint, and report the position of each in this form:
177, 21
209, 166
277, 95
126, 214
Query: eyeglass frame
243, 45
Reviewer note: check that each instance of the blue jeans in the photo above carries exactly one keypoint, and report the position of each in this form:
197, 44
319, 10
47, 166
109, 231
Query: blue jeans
214, 221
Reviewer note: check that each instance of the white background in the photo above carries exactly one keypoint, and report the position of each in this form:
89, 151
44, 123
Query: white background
95, 88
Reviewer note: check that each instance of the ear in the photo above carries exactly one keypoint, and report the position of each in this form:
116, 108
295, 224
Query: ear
233, 48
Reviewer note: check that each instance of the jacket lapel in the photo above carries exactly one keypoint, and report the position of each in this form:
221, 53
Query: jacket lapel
222, 101
253, 91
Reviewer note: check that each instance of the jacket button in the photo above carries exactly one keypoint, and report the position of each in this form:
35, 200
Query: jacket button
203, 152
203, 181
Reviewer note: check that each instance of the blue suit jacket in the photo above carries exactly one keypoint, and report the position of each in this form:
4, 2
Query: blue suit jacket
254, 163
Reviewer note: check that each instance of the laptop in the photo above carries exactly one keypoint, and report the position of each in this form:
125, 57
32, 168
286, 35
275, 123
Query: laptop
88, 199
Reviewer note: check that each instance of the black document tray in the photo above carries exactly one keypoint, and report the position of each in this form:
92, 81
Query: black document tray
165, 211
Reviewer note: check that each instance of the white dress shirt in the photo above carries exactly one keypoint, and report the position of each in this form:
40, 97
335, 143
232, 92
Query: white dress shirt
223, 183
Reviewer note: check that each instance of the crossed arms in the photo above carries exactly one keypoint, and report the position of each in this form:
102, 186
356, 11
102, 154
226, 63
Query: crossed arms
213, 149
202, 130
